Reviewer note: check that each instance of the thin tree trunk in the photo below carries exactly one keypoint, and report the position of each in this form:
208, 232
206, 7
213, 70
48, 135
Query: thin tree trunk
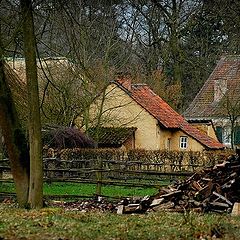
34, 122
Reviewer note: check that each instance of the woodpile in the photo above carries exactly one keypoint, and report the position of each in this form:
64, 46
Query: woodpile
213, 189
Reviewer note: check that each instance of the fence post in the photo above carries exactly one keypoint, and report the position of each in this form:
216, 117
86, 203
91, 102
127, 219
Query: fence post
99, 165
1, 175
1, 154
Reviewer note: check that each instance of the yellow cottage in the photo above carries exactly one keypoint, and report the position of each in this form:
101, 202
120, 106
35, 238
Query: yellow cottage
133, 116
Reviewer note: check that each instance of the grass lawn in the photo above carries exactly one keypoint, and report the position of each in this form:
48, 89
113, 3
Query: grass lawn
90, 189
55, 223
86, 189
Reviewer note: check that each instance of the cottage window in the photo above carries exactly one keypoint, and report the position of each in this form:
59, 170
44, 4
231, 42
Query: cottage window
224, 134
183, 142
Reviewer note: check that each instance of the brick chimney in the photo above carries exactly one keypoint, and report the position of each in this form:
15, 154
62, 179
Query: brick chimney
220, 88
125, 81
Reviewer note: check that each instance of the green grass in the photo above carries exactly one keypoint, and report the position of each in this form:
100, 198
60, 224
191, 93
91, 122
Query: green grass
86, 189
53, 223
7, 187
90, 189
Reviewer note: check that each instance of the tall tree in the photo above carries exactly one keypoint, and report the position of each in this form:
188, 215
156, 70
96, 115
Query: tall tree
159, 29
34, 121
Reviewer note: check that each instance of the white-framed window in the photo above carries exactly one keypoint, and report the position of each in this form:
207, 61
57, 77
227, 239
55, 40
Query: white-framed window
183, 143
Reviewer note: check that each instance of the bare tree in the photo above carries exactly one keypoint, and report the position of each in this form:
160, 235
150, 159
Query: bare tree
92, 58
230, 105
159, 30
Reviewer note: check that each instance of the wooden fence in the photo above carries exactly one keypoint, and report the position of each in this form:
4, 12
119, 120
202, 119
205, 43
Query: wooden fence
107, 172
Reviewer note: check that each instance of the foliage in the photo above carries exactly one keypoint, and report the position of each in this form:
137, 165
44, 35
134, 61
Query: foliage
55, 223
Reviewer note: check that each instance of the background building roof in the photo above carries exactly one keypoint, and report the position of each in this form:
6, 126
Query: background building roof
205, 104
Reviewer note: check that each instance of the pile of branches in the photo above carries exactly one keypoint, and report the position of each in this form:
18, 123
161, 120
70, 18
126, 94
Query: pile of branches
66, 137
86, 205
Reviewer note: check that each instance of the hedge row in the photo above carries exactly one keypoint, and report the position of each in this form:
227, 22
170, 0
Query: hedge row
205, 158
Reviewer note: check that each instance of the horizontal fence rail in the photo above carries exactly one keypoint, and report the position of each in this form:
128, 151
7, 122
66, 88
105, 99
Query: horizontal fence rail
107, 172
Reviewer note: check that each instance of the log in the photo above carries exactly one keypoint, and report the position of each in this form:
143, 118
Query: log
222, 198
157, 202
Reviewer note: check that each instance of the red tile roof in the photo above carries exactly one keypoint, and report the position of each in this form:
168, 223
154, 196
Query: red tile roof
168, 117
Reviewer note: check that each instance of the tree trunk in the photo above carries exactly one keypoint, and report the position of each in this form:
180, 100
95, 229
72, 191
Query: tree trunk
15, 140
34, 122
